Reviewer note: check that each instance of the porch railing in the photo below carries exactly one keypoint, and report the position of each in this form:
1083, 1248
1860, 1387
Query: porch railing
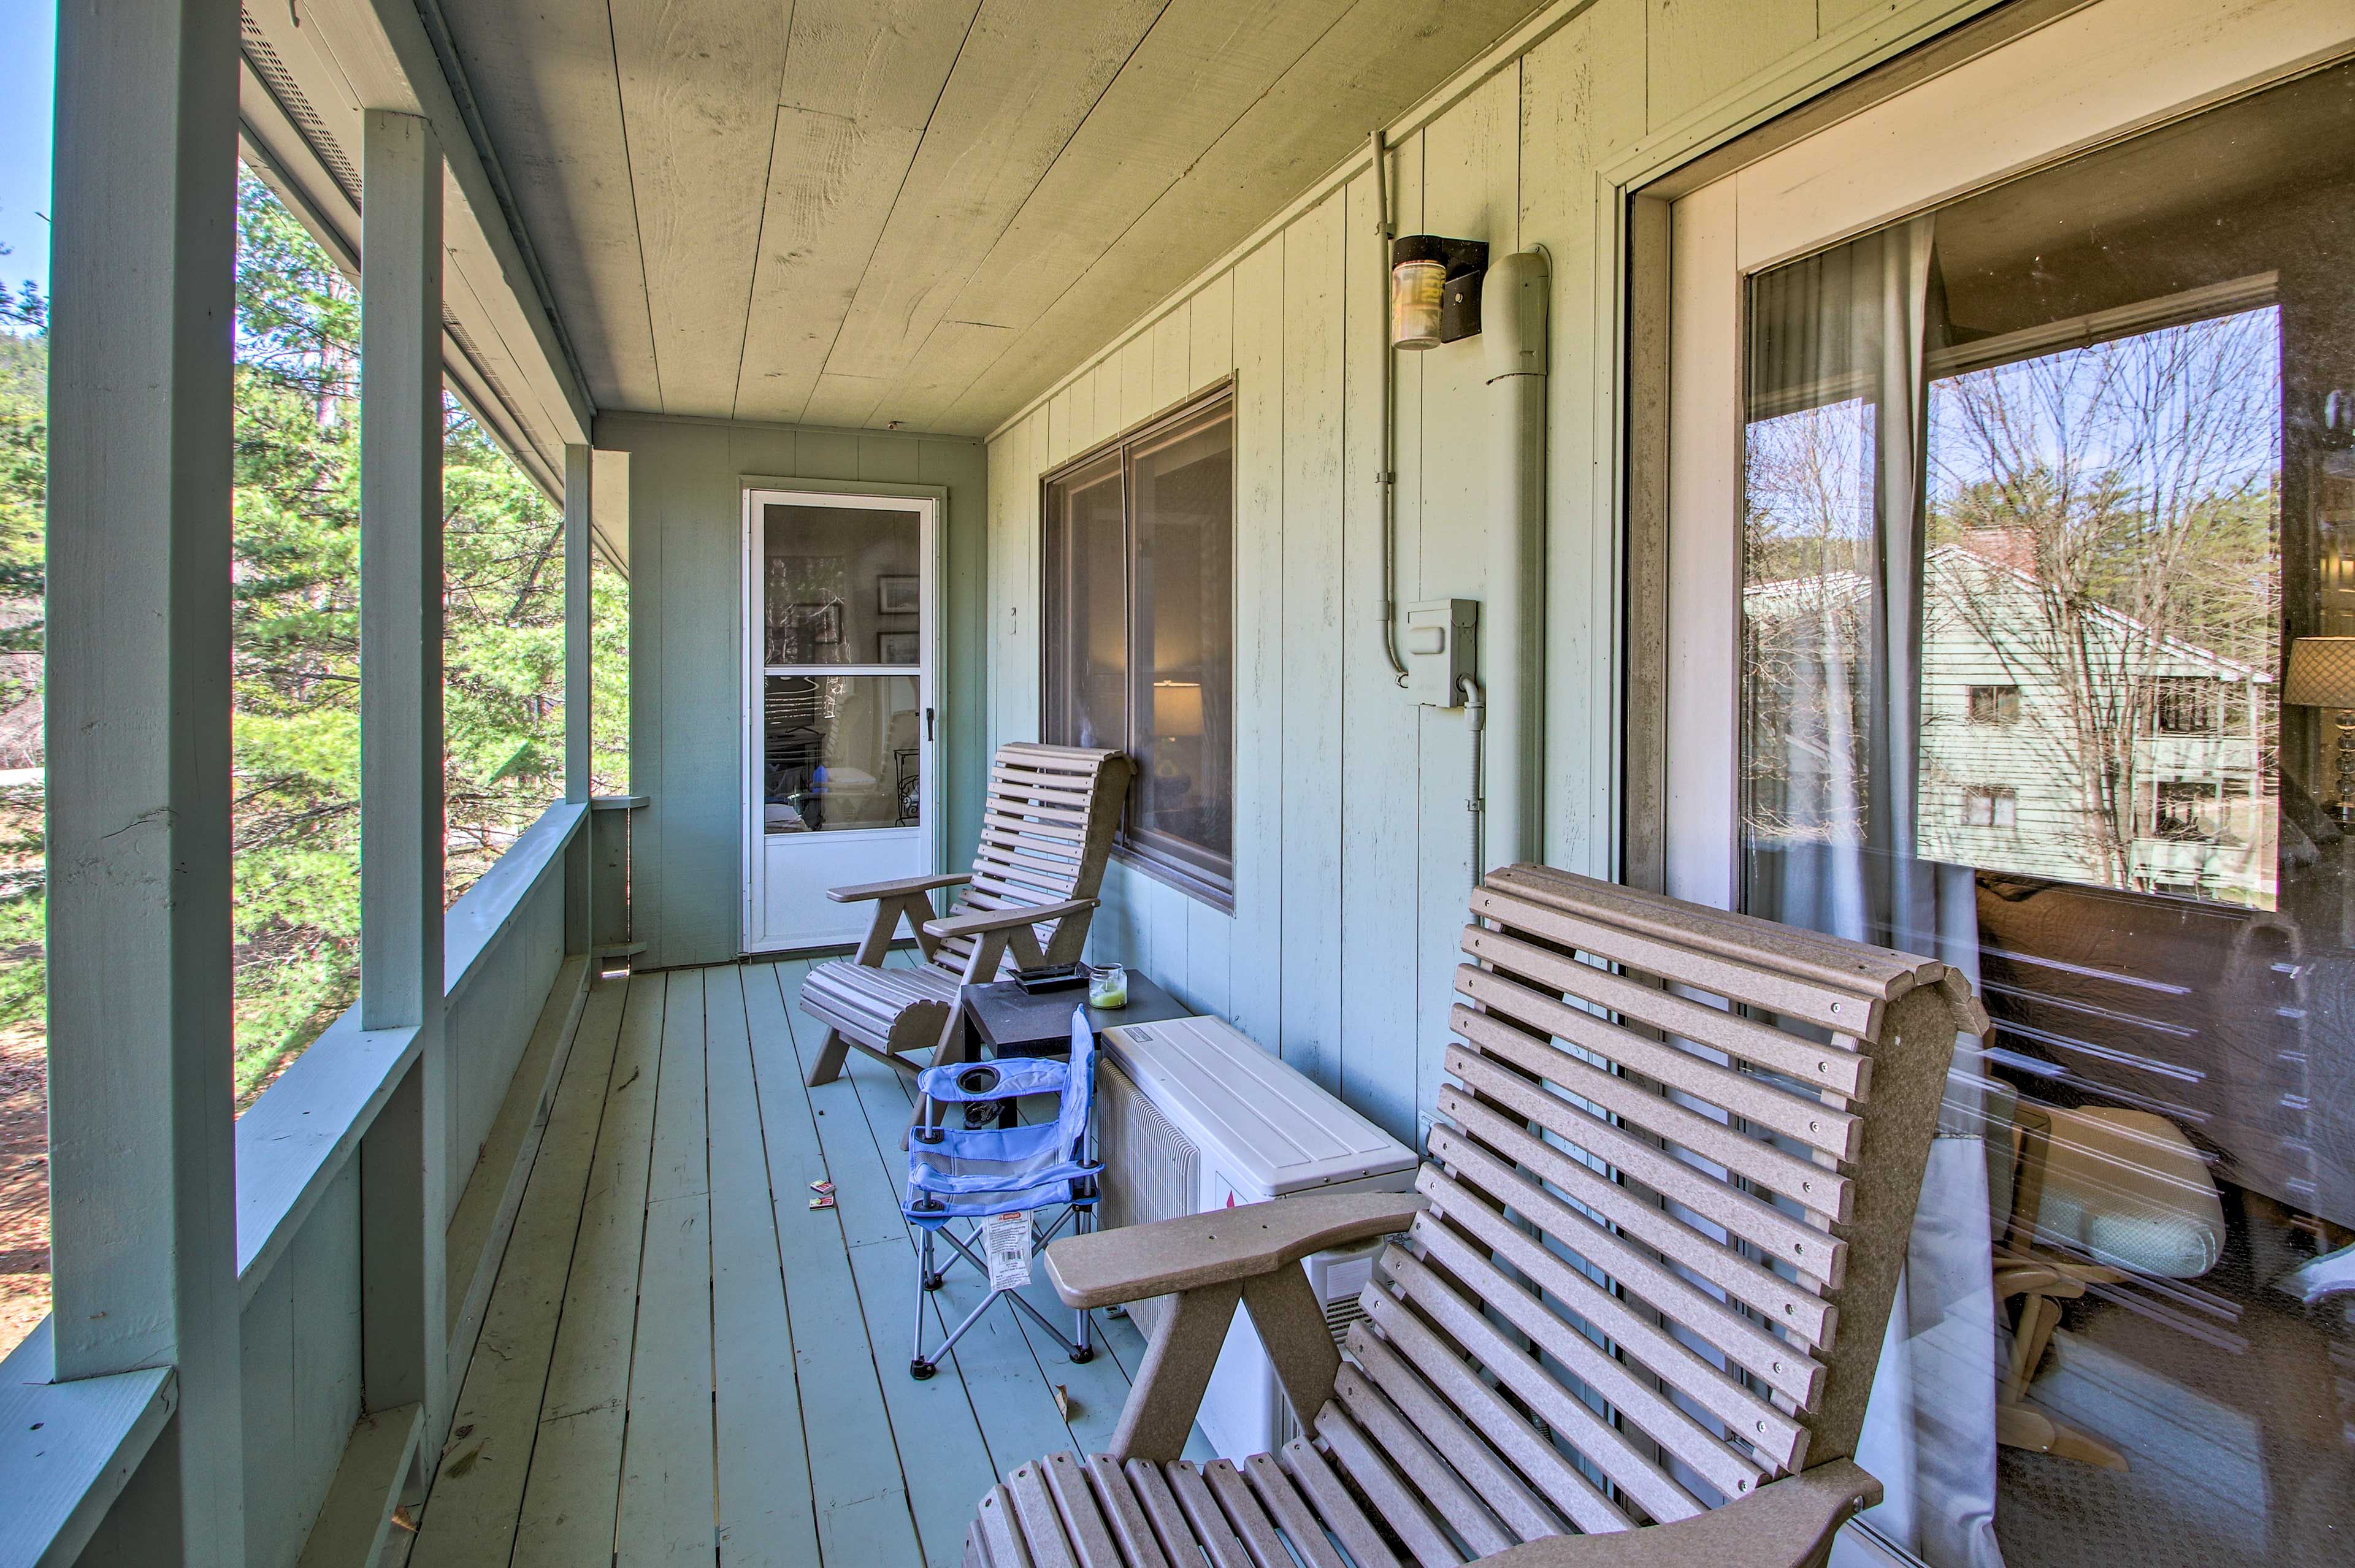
322, 1471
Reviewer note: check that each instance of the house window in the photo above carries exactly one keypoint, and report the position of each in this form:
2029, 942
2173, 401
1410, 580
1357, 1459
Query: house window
2190, 705
2187, 808
1990, 806
1139, 643
1995, 704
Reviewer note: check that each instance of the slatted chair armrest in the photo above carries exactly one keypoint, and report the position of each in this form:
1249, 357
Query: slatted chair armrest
1004, 918
903, 888
1137, 1262
1788, 1523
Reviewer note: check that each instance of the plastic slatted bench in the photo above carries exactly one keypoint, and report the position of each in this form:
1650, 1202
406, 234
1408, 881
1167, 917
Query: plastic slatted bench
1640, 1295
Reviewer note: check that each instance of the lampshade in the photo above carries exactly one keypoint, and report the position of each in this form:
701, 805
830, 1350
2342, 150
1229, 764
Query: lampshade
1177, 708
2321, 673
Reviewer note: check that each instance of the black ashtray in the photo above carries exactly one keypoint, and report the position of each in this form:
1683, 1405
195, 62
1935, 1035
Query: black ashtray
1053, 977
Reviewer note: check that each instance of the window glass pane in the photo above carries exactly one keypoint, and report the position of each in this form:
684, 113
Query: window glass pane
2050, 527
1086, 626
840, 752
1184, 683
840, 585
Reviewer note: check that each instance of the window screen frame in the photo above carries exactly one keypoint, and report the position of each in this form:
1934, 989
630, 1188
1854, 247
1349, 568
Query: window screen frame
1193, 870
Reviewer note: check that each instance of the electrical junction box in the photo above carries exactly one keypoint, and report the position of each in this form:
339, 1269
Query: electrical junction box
1440, 644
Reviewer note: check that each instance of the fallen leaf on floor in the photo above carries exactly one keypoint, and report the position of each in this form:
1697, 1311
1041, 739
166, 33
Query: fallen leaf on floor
1063, 1402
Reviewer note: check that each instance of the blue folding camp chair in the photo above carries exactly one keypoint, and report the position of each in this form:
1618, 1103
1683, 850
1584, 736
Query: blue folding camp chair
973, 1173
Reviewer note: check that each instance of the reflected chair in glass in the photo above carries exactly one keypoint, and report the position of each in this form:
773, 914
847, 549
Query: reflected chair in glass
979, 1173
1047, 826
2083, 1199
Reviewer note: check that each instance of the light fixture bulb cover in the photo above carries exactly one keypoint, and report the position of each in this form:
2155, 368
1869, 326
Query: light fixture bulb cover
1417, 291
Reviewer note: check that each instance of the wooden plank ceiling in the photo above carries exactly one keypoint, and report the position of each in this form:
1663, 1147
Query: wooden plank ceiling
857, 212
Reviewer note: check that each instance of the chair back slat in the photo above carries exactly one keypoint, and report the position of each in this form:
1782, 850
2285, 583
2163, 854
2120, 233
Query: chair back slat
1465, 1238
1449, 1495
1852, 965
1048, 817
1804, 1001
1498, 1484
1394, 1500
1602, 1442
1809, 1121
1836, 1065
1785, 1368
1506, 1429
1509, 1040
1677, 1160
1625, 1218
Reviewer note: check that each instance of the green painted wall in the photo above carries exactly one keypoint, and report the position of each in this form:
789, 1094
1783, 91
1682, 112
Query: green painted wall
1352, 842
686, 649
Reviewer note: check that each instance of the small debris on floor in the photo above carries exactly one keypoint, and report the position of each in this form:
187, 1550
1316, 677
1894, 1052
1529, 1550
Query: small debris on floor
821, 1187
824, 1201
404, 1518
1063, 1402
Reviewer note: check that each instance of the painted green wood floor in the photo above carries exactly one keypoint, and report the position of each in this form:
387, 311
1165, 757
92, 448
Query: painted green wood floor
683, 1363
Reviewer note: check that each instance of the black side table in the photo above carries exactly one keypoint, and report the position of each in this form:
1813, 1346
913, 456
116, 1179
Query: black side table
1001, 1019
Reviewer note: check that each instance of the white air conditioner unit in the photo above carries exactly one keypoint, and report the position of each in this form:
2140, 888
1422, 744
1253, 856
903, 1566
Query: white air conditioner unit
1192, 1115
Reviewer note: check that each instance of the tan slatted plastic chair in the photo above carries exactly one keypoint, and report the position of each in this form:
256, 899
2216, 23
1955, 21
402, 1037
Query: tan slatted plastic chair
1636, 1311
1046, 832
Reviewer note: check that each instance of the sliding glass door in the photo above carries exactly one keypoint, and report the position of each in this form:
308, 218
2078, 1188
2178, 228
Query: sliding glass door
2013, 554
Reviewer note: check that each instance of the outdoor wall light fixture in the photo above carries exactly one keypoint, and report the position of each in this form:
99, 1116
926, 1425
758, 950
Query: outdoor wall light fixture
1434, 288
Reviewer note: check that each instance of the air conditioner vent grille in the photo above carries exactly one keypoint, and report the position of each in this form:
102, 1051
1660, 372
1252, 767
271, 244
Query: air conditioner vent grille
1339, 1314
1152, 1169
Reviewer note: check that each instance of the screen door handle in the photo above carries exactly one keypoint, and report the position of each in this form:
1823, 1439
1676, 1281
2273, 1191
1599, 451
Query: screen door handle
928, 723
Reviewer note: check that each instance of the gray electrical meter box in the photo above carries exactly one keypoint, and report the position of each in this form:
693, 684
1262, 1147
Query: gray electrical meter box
1441, 642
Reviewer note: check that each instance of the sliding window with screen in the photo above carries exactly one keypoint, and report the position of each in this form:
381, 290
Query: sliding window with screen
1139, 646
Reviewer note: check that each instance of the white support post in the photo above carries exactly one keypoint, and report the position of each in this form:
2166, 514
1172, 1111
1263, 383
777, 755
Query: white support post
580, 872
579, 488
143, 1162
405, 1162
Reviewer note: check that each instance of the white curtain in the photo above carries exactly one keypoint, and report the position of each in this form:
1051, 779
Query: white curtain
1834, 609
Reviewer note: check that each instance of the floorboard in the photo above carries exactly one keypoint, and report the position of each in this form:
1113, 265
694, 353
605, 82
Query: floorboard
764, 1482
668, 1458
681, 1362
859, 1491
569, 1499
479, 1491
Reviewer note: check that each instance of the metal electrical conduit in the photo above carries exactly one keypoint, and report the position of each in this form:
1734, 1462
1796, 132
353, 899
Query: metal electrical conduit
1513, 334
1384, 475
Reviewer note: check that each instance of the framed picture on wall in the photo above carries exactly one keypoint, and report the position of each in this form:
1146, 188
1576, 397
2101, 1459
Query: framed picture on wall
896, 647
898, 595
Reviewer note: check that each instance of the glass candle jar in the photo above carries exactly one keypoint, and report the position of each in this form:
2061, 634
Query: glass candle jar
1108, 986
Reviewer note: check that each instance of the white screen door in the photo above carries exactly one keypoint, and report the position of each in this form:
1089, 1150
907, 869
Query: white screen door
840, 715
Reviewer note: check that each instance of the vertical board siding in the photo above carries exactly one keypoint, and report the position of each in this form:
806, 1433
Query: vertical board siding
1256, 987
687, 520
1310, 539
301, 1342
1377, 838
1352, 841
